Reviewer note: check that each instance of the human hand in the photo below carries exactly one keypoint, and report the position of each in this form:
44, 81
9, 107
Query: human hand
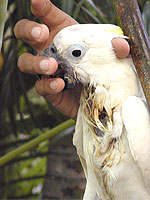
40, 36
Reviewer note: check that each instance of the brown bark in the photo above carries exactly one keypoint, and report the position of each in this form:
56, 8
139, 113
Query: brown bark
133, 26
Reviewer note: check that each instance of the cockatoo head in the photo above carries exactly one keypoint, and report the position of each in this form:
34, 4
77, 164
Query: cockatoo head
83, 51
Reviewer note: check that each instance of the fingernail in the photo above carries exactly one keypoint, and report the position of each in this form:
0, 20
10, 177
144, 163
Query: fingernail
53, 85
44, 65
36, 32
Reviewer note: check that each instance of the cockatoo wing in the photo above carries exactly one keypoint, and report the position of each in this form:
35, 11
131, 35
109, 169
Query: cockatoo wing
78, 140
136, 120
90, 190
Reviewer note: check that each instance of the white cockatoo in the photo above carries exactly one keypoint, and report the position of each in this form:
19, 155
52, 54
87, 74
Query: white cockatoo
112, 133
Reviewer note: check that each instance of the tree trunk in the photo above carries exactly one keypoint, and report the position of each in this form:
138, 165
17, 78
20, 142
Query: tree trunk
133, 26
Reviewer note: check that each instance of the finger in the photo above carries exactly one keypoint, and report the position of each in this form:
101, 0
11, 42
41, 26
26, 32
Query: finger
31, 32
121, 47
53, 17
49, 86
28, 63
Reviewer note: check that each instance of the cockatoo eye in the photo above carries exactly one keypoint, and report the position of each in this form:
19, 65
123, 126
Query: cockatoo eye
76, 51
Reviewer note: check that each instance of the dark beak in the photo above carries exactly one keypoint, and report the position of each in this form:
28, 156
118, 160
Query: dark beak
64, 71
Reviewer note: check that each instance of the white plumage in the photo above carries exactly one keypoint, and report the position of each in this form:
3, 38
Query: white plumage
112, 134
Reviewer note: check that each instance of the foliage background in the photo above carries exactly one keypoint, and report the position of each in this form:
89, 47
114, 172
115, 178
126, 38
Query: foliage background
23, 113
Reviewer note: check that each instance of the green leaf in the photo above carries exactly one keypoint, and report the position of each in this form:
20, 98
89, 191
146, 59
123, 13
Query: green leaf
3, 8
77, 9
96, 11
67, 6
9, 156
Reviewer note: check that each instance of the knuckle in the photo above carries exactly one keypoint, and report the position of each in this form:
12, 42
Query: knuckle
16, 27
46, 87
41, 87
19, 25
43, 9
20, 63
37, 86
33, 64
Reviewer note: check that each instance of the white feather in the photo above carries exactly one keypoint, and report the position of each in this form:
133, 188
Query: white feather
112, 134
137, 123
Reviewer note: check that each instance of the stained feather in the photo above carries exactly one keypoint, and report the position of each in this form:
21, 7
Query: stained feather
113, 148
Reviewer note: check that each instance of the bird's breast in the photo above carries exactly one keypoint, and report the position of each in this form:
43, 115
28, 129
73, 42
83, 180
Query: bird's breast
101, 148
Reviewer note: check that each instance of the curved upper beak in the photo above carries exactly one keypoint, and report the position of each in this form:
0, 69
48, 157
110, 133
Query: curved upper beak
65, 70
